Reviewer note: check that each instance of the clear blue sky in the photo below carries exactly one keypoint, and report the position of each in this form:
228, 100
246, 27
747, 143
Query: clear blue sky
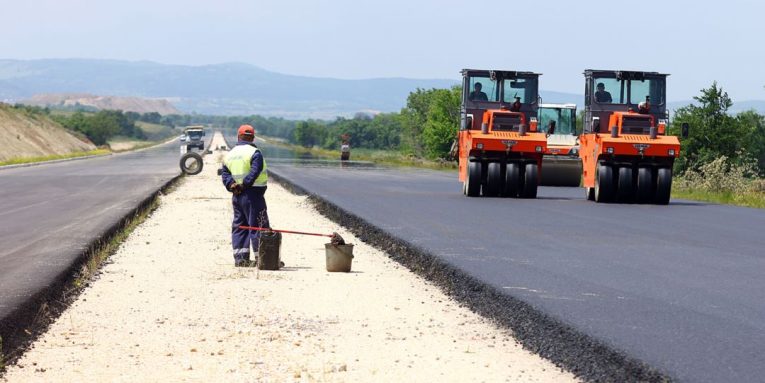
694, 41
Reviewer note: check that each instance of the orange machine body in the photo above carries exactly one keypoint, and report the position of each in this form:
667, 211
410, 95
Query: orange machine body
621, 147
495, 143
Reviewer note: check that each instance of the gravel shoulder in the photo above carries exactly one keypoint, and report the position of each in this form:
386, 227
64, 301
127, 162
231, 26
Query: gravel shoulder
170, 306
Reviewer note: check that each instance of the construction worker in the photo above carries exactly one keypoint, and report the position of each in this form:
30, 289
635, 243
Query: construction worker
244, 175
477, 94
602, 95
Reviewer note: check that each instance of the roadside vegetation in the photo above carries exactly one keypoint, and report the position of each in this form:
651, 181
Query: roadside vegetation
723, 159
102, 126
110, 130
28, 160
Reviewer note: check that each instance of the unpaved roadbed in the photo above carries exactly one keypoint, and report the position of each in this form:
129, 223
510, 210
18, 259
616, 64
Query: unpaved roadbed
171, 307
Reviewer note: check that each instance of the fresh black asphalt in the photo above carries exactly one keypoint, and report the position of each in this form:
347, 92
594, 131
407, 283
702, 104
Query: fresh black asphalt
678, 287
50, 214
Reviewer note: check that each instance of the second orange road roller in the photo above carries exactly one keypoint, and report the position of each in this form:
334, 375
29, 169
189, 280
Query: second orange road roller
626, 153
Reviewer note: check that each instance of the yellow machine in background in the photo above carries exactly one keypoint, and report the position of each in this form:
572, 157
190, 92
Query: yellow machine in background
561, 165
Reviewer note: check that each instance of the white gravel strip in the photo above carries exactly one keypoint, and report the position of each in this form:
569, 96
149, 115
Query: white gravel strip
170, 306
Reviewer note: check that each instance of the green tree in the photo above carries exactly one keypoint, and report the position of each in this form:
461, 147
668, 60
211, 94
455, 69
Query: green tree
753, 124
713, 132
413, 119
442, 121
308, 133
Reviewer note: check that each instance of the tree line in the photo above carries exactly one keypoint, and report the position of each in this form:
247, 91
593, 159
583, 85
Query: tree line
424, 128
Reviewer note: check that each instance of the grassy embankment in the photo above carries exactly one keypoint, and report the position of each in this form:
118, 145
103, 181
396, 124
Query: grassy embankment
723, 181
27, 160
750, 198
156, 134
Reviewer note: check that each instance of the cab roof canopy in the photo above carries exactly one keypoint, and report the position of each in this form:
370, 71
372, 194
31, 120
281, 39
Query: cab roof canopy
622, 74
496, 73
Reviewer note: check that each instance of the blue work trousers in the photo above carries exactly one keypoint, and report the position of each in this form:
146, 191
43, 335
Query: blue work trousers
249, 210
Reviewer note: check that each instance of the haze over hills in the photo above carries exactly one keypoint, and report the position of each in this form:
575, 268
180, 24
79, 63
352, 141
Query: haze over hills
127, 104
231, 88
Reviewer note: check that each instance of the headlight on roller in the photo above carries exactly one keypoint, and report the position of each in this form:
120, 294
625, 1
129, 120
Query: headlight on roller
671, 152
538, 149
610, 150
479, 146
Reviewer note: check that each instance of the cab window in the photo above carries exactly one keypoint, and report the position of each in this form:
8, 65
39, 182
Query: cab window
520, 88
482, 89
627, 92
565, 119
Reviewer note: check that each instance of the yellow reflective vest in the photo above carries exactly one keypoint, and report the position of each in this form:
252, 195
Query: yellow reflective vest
238, 163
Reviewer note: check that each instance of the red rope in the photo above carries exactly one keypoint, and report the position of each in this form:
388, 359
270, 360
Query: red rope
284, 231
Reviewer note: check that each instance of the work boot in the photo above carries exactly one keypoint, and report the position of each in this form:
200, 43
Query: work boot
245, 263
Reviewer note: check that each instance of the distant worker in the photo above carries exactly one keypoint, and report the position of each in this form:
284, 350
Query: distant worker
244, 175
601, 95
476, 94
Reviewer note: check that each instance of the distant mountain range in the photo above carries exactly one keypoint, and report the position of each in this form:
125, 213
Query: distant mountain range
227, 89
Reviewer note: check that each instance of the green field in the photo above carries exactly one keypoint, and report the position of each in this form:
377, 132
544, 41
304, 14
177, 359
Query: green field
749, 199
156, 132
27, 160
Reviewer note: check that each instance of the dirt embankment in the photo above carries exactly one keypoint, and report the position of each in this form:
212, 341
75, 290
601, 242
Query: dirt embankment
28, 135
170, 306
127, 104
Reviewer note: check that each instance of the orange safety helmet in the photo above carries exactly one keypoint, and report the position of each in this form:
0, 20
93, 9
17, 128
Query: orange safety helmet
246, 130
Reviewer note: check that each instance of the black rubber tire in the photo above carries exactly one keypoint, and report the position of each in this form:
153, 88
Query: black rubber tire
494, 181
604, 184
663, 185
644, 187
194, 167
512, 179
473, 181
530, 181
625, 191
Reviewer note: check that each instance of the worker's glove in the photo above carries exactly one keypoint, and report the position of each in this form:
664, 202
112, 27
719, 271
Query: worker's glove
236, 188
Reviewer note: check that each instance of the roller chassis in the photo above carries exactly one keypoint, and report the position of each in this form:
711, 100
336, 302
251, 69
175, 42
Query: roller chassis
484, 172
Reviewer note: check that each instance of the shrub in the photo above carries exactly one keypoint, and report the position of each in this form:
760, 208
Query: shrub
723, 175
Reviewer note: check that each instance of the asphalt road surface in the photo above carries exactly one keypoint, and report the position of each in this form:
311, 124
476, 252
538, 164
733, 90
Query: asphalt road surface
49, 213
680, 287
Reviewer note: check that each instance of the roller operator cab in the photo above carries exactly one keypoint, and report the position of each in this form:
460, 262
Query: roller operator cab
500, 147
561, 163
626, 154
